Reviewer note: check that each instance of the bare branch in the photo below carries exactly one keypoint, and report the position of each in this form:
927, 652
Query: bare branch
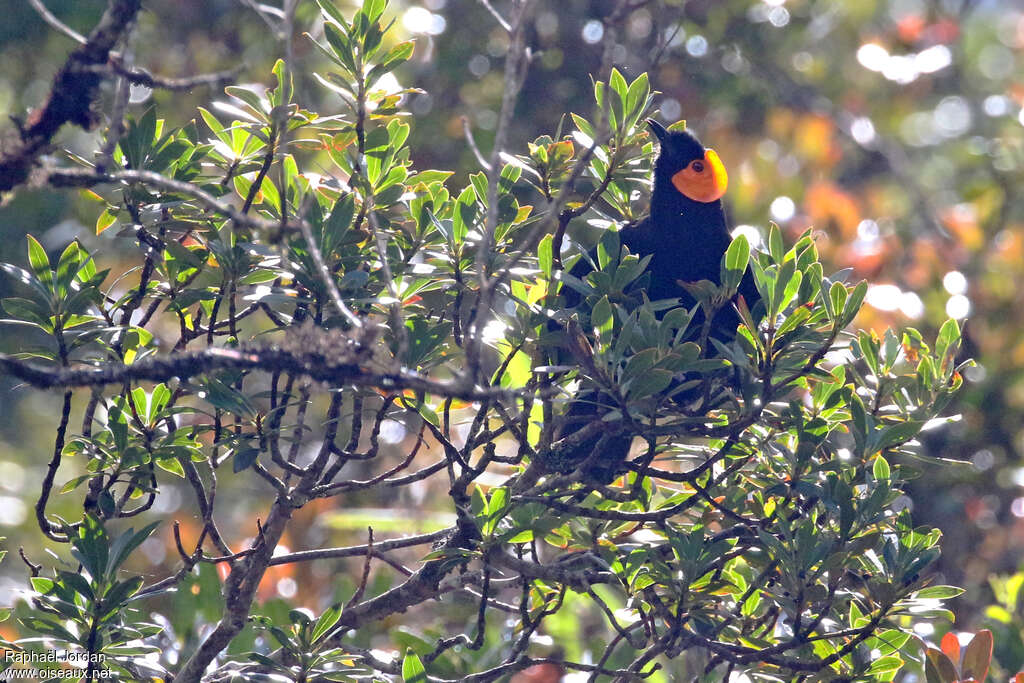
316, 366
497, 16
140, 76
517, 60
71, 95
471, 141
358, 550
56, 23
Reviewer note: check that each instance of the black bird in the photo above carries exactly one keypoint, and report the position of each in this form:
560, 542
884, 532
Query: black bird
686, 235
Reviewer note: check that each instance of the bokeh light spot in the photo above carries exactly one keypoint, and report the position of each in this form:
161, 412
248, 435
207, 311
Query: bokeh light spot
958, 306
783, 208
697, 46
593, 31
955, 282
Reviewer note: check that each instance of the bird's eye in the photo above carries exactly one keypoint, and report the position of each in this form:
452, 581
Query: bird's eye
698, 166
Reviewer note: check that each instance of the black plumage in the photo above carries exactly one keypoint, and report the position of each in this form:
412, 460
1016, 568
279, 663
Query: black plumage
686, 236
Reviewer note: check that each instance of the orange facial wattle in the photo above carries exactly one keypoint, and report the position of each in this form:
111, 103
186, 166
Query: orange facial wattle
703, 180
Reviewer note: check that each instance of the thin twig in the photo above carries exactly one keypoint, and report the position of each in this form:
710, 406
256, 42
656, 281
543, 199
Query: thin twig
471, 141
361, 588
497, 16
74, 177
517, 60
326, 277
56, 23
140, 76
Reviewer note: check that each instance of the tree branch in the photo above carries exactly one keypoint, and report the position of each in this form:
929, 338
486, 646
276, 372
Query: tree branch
71, 96
316, 366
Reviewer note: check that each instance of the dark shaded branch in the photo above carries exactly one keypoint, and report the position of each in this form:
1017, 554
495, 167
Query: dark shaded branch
71, 96
140, 76
316, 366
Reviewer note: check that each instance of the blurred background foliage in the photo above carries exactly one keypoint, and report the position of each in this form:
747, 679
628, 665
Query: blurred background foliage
894, 128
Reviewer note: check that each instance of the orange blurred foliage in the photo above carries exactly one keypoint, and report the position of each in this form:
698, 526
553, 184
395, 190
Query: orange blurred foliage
828, 206
962, 221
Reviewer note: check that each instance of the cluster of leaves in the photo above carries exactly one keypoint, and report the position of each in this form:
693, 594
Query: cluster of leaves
759, 530
89, 611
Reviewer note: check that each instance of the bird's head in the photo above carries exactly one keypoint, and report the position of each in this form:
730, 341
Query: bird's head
685, 165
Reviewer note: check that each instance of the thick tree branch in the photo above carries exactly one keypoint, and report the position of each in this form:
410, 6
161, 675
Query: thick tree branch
319, 367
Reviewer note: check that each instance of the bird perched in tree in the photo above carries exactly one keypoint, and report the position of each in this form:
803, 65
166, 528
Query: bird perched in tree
686, 236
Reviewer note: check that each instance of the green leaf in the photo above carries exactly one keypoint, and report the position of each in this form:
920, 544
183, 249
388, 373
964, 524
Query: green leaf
938, 593
775, 247
283, 91
465, 214
91, 547
949, 336
896, 434
794, 320
880, 470
124, 544
373, 9
42, 584
248, 97
859, 420
340, 46
837, 297
429, 177
39, 261
636, 98
734, 264
227, 398
331, 11
545, 257
640, 363
159, 398
585, 126
608, 249
649, 383
258, 276
326, 622
618, 84
783, 289
497, 505
119, 594
602, 319
28, 311
105, 220
885, 665
171, 465
215, 126
77, 583
49, 627
853, 303
412, 668
398, 54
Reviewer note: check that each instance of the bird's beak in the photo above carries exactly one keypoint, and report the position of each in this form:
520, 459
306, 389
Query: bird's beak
659, 130
707, 185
